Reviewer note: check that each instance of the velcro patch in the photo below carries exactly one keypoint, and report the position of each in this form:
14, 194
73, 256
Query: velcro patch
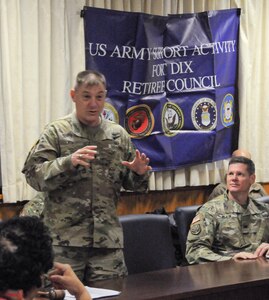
195, 229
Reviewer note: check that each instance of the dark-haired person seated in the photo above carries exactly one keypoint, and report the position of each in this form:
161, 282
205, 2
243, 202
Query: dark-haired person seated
233, 225
26, 255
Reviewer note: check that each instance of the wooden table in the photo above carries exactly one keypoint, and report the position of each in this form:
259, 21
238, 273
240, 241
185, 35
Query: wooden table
248, 280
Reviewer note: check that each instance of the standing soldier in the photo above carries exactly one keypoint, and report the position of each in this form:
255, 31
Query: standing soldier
81, 162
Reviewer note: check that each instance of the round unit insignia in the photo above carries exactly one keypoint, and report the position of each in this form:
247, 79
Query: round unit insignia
195, 229
110, 113
227, 108
139, 121
204, 114
172, 119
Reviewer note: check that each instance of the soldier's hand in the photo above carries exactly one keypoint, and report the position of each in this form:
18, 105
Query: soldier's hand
84, 156
244, 255
63, 277
140, 164
262, 249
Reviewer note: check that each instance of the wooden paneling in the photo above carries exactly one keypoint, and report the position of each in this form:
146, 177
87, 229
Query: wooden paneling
134, 203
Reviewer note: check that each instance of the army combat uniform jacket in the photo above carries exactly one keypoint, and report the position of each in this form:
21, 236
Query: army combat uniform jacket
80, 206
222, 228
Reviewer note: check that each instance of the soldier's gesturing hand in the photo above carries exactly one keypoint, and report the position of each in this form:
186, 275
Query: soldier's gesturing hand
84, 156
140, 164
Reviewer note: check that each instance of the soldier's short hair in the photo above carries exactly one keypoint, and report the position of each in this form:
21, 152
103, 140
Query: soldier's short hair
90, 78
244, 160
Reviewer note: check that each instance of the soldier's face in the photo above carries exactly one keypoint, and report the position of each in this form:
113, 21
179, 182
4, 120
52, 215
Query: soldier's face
238, 178
89, 101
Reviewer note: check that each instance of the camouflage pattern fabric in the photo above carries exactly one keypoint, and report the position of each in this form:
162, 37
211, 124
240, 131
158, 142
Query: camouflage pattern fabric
100, 264
34, 207
222, 228
80, 206
256, 191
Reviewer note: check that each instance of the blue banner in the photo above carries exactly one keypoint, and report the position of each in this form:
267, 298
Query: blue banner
172, 81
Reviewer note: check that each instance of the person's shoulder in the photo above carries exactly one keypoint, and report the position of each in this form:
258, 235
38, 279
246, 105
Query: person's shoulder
114, 128
63, 121
260, 207
259, 203
218, 190
110, 123
215, 201
214, 204
257, 187
256, 190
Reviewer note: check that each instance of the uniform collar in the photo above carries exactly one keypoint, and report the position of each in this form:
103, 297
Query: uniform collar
85, 131
235, 207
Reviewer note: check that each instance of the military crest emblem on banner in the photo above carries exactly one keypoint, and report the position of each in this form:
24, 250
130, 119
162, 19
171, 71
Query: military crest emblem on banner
204, 114
110, 113
227, 110
139, 121
172, 119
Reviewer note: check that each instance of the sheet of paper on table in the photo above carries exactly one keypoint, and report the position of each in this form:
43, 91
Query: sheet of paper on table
95, 293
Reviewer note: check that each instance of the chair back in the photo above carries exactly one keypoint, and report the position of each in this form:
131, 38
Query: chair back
183, 217
148, 244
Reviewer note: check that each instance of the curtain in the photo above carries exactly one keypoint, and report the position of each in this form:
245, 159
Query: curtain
42, 50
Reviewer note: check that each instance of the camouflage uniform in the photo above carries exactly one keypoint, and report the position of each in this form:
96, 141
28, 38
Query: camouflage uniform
256, 191
34, 207
80, 206
222, 228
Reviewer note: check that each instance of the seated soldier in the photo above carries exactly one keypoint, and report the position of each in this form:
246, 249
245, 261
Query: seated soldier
232, 225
